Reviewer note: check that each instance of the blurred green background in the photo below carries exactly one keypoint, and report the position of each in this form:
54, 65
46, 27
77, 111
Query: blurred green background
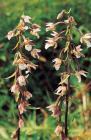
38, 124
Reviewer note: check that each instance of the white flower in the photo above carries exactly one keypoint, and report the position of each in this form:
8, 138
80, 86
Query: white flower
86, 39
22, 81
27, 71
28, 47
26, 18
10, 35
50, 26
50, 42
26, 28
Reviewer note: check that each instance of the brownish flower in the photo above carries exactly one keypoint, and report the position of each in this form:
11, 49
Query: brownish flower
70, 20
50, 42
21, 80
80, 73
15, 88
57, 63
86, 39
10, 35
15, 134
35, 53
64, 78
28, 44
20, 123
21, 26
50, 26
22, 106
31, 66
27, 94
77, 51
55, 110
61, 90
35, 30
58, 130
26, 19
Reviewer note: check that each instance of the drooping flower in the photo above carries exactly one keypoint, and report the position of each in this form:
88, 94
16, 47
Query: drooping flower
35, 30
61, 90
58, 130
77, 51
61, 14
15, 134
26, 18
55, 34
15, 88
31, 66
10, 35
50, 26
64, 78
20, 123
86, 38
80, 73
28, 44
22, 81
21, 26
50, 43
57, 63
35, 53
55, 110
22, 106
27, 94
21, 62
70, 20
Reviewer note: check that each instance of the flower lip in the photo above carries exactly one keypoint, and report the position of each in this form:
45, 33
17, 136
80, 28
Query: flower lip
10, 35
21, 80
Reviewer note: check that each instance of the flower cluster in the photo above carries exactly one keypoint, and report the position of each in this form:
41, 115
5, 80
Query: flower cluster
68, 56
23, 63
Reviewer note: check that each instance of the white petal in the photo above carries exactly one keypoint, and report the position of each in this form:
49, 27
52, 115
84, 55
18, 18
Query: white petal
47, 46
28, 47
22, 66
89, 45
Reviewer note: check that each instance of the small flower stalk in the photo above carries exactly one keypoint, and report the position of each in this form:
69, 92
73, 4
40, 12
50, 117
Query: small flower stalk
68, 54
24, 50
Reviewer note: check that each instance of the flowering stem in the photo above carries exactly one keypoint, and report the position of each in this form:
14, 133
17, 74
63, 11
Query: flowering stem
18, 136
68, 84
66, 115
